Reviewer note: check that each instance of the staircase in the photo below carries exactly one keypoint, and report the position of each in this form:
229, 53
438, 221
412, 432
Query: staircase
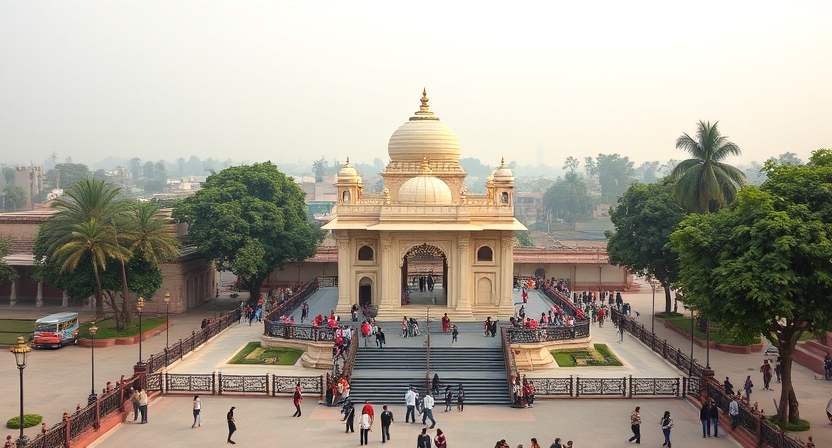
384, 375
810, 354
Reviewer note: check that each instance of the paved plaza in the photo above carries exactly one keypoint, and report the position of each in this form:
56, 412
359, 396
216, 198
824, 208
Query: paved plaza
57, 380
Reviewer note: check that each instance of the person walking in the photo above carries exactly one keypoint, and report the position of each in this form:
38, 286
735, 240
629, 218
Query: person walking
365, 423
386, 421
349, 417
232, 426
410, 402
446, 323
197, 409
729, 388
734, 411
434, 384
534, 443
449, 396
454, 334
747, 387
423, 440
765, 369
713, 415
297, 397
705, 419
381, 339
622, 324
460, 398
635, 425
427, 414
142, 403
439, 441
667, 424
778, 369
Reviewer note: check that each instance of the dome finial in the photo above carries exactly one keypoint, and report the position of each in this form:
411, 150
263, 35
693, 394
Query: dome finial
424, 107
502, 162
424, 167
348, 161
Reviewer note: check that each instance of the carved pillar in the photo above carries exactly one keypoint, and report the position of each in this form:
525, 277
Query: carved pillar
64, 299
506, 271
388, 285
13, 295
345, 282
39, 297
463, 273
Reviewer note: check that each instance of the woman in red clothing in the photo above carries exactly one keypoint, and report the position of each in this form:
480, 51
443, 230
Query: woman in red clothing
446, 323
297, 397
439, 441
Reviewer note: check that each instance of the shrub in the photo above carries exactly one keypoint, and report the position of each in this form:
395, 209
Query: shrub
29, 420
802, 425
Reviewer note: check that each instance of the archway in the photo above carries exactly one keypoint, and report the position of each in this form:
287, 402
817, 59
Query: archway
425, 276
540, 273
365, 292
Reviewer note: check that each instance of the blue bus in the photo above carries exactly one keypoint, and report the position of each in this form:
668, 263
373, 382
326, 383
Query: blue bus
56, 330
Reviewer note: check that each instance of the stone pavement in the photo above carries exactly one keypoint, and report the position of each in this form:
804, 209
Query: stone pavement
812, 394
267, 422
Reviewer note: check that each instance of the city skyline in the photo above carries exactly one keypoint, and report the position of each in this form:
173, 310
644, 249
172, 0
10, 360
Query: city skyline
296, 82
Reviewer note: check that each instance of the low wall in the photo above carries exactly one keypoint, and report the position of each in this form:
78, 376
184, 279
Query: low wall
316, 355
739, 349
536, 356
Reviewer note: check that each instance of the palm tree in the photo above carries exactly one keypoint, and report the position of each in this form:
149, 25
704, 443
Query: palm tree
319, 167
704, 183
96, 241
148, 234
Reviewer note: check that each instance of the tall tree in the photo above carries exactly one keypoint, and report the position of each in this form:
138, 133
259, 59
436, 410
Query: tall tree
704, 183
568, 198
251, 220
319, 167
644, 219
571, 164
6, 272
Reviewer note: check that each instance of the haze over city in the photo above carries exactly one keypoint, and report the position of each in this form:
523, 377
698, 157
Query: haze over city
290, 81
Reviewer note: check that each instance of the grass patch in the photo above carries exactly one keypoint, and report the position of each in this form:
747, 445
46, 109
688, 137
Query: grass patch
724, 335
666, 315
10, 329
802, 425
252, 353
107, 327
29, 420
600, 355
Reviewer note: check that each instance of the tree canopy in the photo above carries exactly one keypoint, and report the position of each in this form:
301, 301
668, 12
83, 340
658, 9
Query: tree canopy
568, 199
704, 183
251, 220
644, 219
762, 265
615, 174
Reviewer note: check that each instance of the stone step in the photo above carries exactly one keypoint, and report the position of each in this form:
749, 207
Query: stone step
809, 356
391, 390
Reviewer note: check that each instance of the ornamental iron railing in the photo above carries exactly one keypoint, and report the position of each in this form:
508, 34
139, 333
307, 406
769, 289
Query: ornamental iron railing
548, 333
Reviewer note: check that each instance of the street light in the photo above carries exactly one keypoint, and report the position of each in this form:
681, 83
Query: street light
20, 350
93, 395
140, 308
708, 344
654, 284
167, 319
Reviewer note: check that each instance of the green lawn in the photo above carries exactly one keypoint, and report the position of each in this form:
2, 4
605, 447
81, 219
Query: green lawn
724, 335
252, 353
107, 327
10, 329
600, 355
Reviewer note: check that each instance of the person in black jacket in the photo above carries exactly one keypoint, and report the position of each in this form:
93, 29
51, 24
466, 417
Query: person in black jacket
423, 441
349, 416
713, 415
705, 419
729, 388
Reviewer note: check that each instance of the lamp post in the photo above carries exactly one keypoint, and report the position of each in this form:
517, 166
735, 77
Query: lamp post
20, 350
654, 284
708, 344
690, 370
140, 308
93, 395
427, 353
167, 318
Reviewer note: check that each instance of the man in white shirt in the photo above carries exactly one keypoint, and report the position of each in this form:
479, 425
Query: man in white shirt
364, 425
410, 402
428, 412
733, 411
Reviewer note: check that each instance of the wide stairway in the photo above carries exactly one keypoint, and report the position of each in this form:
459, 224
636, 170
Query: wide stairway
384, 375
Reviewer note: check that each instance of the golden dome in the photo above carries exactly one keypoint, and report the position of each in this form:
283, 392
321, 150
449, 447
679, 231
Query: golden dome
424, 135
425, 189
348, 174
503, 172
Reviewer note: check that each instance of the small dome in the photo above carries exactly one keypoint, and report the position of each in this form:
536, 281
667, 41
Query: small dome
424, 135
503, 172
348, 174
425, 189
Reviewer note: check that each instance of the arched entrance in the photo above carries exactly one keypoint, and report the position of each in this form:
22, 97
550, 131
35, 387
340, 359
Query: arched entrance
424, 276
540, 273
365, 292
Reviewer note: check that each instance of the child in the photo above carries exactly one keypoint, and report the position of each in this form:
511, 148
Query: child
454, 334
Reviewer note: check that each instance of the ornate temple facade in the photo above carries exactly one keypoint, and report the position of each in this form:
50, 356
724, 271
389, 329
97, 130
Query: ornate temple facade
424, 241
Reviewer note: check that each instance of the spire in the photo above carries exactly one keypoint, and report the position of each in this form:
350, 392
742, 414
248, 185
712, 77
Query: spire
348, 161
502, 162
424, 167
424, 112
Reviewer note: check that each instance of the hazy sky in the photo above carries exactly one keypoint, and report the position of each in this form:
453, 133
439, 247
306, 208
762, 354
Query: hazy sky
295, 80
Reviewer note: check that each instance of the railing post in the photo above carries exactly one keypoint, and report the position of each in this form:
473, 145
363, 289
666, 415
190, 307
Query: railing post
181, 350
577, 386
193, 340
684, 386
631, 385
624, 389
167, 359
677, 387
68, 433
121, 395
219, 382
97, 422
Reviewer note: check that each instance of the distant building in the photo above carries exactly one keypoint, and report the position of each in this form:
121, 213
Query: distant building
528, 207
30, 179
601, 211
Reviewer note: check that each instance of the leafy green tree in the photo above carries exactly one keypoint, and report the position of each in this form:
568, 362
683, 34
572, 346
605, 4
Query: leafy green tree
6, 272
568, 198
524, 237
319, 167
644, 219
250, 220
614, 174
14, 198
704, 183
761, 265
571, 164
67, 174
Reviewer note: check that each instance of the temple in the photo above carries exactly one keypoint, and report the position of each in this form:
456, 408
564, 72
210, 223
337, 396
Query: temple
424, 241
